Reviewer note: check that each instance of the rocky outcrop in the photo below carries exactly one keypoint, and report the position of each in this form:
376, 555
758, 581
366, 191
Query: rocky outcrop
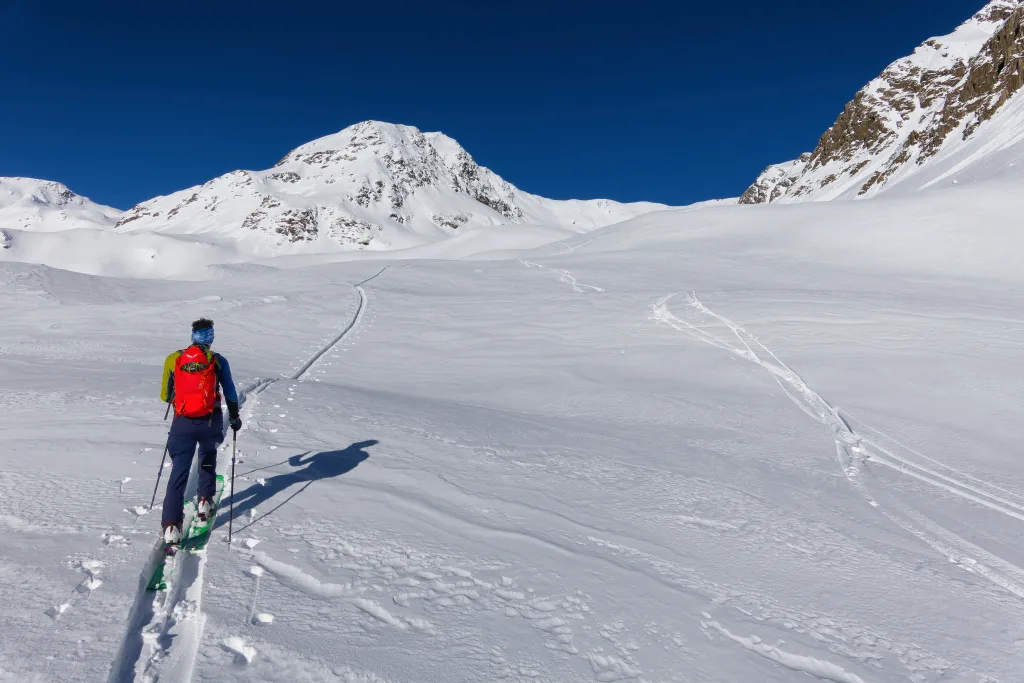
942, 92
774, 182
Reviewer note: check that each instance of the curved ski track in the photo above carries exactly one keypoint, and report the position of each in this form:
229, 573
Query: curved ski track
344, 333
162, 636
856, 451
564, 275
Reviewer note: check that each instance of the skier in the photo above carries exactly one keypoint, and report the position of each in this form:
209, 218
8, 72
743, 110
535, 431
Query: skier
190, 381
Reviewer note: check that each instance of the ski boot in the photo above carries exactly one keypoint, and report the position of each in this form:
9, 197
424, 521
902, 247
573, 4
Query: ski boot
172, 537
204, 509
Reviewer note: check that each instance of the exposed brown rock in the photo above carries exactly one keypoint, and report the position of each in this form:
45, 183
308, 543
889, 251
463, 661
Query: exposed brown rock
933, 103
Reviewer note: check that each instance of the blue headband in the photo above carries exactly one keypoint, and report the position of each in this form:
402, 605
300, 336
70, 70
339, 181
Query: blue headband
204, 337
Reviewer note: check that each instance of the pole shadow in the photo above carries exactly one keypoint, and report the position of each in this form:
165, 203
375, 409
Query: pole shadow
323, 465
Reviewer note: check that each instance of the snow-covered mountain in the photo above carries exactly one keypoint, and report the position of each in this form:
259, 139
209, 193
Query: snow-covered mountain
372, 186
46, 206
956, 96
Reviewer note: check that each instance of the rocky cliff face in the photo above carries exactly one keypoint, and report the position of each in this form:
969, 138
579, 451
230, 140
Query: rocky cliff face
916, 108
373, 185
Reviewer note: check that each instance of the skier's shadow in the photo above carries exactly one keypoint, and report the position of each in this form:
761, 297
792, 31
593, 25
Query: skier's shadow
323, 465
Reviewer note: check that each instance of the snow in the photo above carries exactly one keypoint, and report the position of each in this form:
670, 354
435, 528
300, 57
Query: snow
373, 186
910, 100
721, 443
374, 190
45, 206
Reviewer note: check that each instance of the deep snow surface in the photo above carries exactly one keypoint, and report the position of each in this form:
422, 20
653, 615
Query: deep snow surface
726, 444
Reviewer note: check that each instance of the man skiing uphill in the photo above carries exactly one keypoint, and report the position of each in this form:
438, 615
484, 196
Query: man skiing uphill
190, 381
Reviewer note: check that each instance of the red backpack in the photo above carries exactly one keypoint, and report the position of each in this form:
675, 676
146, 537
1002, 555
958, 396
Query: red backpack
195, 383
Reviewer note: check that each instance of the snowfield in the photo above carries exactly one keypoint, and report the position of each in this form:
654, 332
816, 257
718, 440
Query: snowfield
768, 444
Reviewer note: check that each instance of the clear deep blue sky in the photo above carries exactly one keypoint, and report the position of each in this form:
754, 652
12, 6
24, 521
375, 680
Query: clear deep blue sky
670, 102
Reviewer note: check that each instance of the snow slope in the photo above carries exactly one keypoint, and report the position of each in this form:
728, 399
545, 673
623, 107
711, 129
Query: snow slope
727, 444
371, 186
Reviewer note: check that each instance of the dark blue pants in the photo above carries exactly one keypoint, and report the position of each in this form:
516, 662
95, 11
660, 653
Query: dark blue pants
186, 434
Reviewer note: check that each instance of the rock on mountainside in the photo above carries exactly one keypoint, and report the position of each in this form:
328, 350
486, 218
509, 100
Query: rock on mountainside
47, 206
373, 185
920, 106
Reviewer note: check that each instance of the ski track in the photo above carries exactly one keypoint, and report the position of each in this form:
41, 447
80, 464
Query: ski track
345, 332
162, 637
856, 451
565, 276
799, 663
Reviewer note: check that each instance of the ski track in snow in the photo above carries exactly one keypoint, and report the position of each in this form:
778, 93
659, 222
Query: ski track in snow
565, 276
856, 451
345, 332
800, 663
164, 630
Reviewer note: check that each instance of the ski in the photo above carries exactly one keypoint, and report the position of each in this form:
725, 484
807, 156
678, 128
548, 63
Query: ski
165, 566
199, 531
193, 540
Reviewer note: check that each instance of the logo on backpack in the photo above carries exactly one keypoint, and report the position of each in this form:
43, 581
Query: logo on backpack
195, 383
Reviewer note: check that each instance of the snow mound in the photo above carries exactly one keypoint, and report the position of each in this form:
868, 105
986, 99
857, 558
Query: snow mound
45, 206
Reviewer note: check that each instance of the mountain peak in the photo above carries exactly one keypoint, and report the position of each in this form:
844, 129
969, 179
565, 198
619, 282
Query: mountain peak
372, 185
46, 205
362, 136
920, 105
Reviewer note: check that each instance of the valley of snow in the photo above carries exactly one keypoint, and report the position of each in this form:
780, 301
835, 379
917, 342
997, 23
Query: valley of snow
723, 443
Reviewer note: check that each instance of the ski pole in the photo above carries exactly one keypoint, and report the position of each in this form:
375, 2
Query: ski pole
167, 447
231, 510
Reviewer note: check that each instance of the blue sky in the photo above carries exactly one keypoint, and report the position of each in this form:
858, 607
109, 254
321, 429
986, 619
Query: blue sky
670, 102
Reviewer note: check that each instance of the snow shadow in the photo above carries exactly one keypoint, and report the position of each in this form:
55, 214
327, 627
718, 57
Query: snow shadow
323, 465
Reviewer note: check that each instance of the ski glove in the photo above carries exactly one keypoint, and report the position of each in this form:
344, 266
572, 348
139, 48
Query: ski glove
236, 421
